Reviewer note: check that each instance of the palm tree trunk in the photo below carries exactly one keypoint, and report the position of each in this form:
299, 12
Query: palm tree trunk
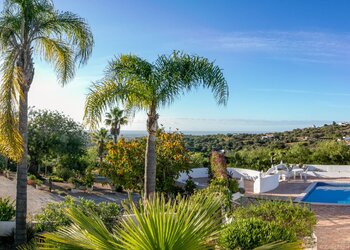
6, 162
21, 197
150, 158
117, 132
115, 135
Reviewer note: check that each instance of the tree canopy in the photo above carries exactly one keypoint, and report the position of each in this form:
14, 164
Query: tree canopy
54, 136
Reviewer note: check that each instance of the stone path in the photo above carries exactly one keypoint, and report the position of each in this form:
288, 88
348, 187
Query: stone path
333, 227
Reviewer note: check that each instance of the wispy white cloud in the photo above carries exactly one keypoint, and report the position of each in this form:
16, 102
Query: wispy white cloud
313, 47
298, 91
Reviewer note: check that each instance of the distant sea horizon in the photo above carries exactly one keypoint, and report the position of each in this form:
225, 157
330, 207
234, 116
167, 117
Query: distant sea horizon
141, 133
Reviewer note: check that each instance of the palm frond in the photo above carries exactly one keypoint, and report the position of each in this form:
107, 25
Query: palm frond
9, 26
181, 72
69, 25
10, 138
281, 245
121, 84
85, 232
192, 223
100, 96
60, 55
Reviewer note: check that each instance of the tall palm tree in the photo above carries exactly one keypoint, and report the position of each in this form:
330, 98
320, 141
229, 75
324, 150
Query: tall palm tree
30, 28
115, 118
140, 85
100, 138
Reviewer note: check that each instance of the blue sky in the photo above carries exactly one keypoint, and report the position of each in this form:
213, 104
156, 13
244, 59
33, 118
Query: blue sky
287, 62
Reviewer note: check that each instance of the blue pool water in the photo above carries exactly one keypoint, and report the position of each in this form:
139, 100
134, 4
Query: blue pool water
338, 193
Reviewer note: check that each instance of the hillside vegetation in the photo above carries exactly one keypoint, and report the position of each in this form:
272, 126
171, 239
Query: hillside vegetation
318, 145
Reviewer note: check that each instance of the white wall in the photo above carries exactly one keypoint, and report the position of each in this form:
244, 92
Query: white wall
240, 172
194, 173
266, 183
261, 184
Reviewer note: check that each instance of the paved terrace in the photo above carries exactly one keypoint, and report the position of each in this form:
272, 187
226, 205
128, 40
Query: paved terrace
333, 222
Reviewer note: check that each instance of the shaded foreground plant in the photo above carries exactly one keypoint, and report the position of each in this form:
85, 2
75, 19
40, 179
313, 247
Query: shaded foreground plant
192, 223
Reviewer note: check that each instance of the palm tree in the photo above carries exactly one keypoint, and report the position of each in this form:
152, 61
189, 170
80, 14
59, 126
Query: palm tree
140, 85
31, 28
100, 138
115, 119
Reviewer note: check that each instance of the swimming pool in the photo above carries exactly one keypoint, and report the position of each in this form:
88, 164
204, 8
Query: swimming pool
328, 193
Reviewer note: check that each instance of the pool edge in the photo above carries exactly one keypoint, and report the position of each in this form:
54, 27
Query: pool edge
300, 198
305, 193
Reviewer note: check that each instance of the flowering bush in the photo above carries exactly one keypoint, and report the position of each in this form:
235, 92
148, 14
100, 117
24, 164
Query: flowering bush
125, 161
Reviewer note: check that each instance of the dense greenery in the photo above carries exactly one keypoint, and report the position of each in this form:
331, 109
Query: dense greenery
55, 215
125, 161
322, 145
55, 140
193, 222
266, 222
299, 219
247, 234
7, 209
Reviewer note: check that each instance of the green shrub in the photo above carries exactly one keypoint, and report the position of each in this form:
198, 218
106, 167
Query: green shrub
39, 182
7, 209
253, 232
64, 173
190, 186
55, 178
75, 181
54, 215
89, 178
31, 177
232, 185
299, 219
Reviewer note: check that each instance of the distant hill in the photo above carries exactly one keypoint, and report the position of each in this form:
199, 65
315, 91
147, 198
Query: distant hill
280, 140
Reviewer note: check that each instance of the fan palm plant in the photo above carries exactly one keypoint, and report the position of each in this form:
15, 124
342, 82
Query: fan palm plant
100, 138
115, 118
140, 85
192, 223
31, 28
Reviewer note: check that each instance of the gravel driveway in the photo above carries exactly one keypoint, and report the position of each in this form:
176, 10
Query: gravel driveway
37, 199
